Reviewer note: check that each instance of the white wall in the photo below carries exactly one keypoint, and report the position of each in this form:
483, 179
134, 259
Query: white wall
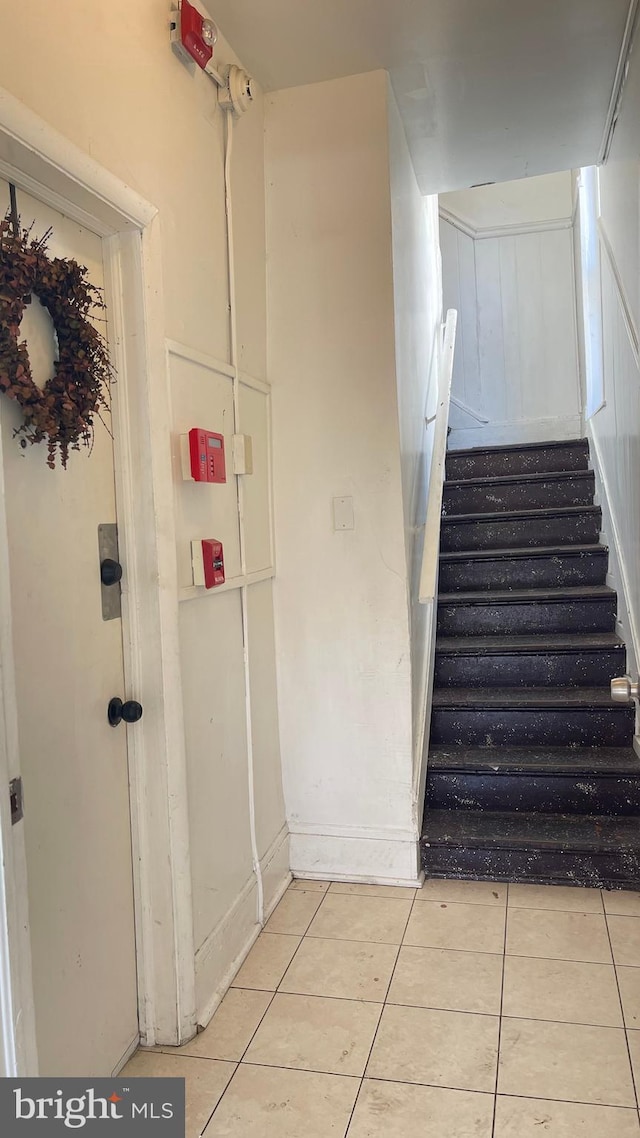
105, 76
507, 255
418, 317
342, 617
615, 429
528, 201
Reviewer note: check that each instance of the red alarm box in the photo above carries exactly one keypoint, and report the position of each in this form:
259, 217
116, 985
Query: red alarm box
207, 558
206, 456
197, 34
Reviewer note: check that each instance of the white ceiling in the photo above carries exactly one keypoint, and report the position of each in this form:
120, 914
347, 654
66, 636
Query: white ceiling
489, 90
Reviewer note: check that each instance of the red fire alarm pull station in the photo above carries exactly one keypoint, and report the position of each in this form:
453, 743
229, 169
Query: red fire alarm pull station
206, 456
207, 557
197, 35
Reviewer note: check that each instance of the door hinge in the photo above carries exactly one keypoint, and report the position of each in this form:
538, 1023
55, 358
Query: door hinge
17, 800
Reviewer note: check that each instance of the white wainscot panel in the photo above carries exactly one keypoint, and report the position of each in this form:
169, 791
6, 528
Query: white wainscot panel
203, 397
269, 798
516, 367
615, 430
256, 487
212, 656
459, 292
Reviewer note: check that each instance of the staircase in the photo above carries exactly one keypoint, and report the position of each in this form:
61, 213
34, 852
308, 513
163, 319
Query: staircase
531, 771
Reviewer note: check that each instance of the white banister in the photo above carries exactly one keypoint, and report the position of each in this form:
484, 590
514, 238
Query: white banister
429, 572
468, 410
428, 585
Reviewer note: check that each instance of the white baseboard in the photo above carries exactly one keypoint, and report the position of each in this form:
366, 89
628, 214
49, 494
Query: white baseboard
226, 947
375, 860
220, 956
518, 431
276, 874
131, 1049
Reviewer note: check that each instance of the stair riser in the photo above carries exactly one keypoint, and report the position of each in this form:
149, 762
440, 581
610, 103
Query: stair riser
523, 572
501, 463
539, 867
577, 491
535, 617
546, 794
516, 533
490, 727
540, 669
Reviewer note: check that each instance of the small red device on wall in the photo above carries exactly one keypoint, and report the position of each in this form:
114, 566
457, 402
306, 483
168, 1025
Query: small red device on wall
197, 35
206, 456
207, 557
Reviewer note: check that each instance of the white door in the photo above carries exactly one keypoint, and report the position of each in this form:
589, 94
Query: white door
68, 664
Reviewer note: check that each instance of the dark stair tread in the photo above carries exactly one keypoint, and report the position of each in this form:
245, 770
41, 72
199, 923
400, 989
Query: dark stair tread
506, 644
564, 511
489, 818
525, 698
524, 552
563, 761
509, 479
514, 831
517, 447
558, 594
510, 515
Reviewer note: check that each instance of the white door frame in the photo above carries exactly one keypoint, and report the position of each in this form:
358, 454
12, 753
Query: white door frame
41, 161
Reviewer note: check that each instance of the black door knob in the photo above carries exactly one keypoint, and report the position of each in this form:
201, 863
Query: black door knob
110, 571
130, 711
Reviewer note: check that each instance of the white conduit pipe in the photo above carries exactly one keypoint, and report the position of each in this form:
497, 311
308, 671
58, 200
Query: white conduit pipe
233, 336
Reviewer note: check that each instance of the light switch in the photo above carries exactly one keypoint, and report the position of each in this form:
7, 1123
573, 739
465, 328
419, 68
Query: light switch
242, 454
343, 513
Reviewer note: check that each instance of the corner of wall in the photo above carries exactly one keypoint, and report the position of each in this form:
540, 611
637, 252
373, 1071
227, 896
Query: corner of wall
342, 620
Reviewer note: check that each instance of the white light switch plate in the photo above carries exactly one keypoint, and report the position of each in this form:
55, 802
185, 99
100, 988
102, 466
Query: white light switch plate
343, 514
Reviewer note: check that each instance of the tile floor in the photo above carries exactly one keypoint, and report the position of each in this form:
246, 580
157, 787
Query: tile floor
461, 1010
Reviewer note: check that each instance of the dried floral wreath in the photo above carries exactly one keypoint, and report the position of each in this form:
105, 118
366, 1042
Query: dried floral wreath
62, 412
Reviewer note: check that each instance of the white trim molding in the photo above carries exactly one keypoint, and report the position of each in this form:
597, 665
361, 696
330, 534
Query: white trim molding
625, 307
516, 431
351, 853
619, 81
485, 232
39, 158
467, 410
227, 945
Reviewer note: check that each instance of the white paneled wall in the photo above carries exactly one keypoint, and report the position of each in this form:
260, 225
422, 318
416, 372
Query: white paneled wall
230, 702
516, 369
614, 430
615, 443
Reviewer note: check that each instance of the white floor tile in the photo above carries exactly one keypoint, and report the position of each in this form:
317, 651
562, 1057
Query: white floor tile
266, 1102
533, 1118
444, 1049
446, 979
405, 1110
565, 1061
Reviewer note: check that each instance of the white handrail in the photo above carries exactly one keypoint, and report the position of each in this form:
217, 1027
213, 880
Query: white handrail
468, 410
430, 550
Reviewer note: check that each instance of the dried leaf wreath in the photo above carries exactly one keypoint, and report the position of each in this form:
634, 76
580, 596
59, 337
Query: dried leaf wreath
62, 412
